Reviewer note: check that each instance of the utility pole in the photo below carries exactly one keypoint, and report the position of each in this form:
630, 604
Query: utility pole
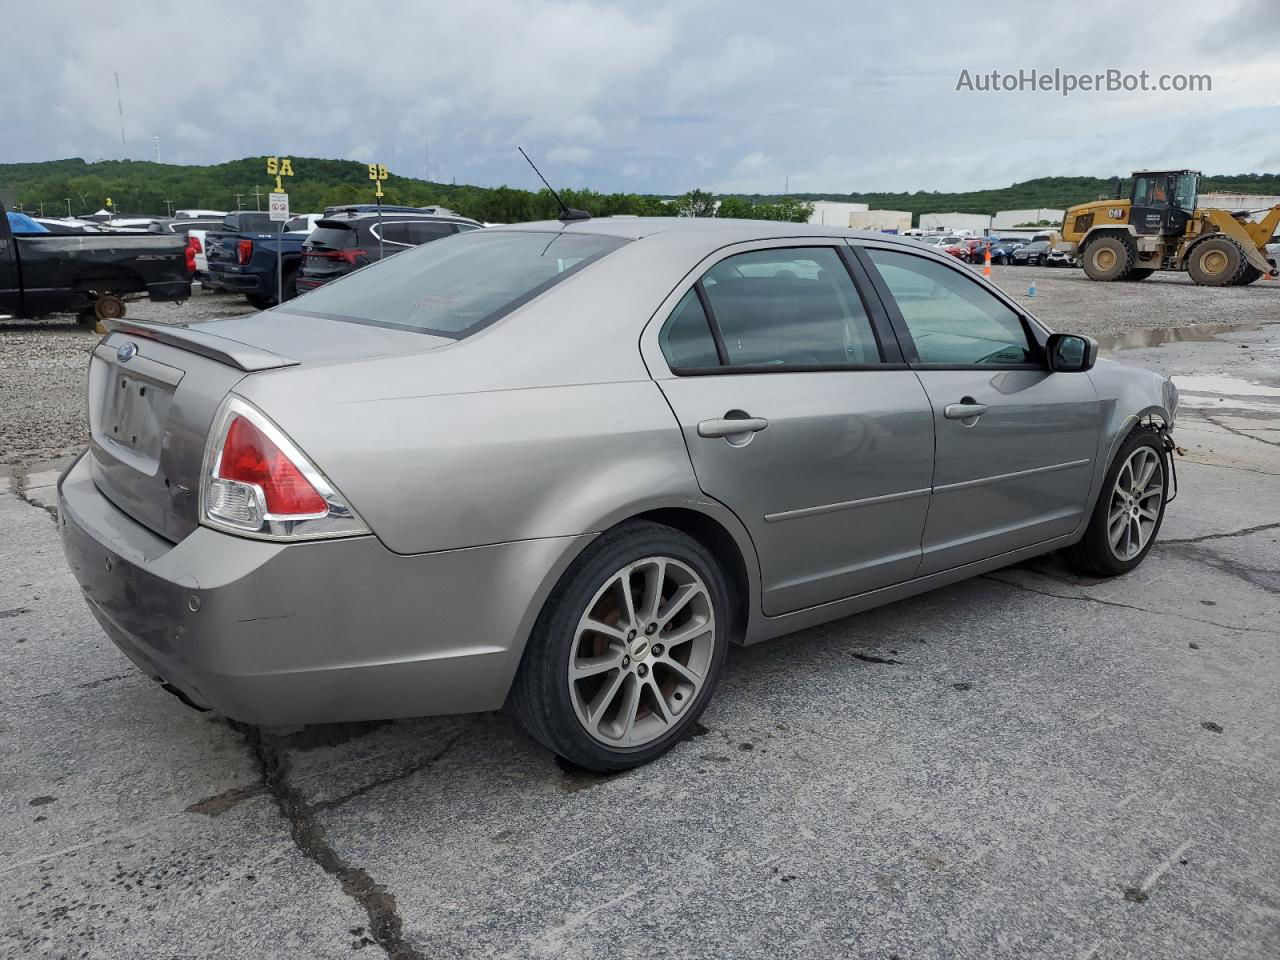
120, 109
426, 159
42, 209
257, 198
238, 198
168, 208
68, 199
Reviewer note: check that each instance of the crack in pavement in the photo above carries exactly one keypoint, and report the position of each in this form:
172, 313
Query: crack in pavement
378, 903
1239, 433
18, 487
1083, 598
1246, 532
406, 771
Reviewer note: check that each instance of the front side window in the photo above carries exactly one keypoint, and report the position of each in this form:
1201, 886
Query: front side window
952, 319
1184, 197
457, 285
795, 306
425, 231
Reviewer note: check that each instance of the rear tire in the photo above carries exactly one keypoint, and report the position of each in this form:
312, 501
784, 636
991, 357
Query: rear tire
1129, 511
260, 300
1250, 274
1216, 262
640, 681
1108, 258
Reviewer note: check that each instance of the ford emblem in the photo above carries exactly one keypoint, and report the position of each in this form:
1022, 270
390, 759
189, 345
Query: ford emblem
126, 351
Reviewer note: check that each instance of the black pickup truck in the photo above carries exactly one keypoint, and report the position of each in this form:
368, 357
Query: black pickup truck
88, 274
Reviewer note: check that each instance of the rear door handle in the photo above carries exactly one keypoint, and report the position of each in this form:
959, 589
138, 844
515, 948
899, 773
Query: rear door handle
728, 427
966, 409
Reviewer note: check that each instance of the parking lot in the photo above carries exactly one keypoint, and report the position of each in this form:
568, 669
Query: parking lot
1025, 764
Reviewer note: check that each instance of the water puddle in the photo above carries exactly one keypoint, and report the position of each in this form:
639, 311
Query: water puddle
1200, 333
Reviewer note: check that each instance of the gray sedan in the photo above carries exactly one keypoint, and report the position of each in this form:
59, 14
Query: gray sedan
563, 466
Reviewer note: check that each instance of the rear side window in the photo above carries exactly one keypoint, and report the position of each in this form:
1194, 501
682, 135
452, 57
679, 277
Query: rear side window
394, 232
795, 306
686, 338
458, 285
426, 231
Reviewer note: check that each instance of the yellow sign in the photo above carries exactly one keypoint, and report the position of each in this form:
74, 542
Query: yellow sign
109, 202
279, 167
378, 171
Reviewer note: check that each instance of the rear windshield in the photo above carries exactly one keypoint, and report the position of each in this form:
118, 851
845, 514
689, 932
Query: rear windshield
455, 286
332, 236
248, 222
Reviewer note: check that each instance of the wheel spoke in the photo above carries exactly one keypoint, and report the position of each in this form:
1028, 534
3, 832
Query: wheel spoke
623, 580
1117, 511
1148, 468
601, 702
683, 672
584, 667
630, 706
664, 711
608, 630
1117, 530
655, 576
679, 600
1149, 513
690, 631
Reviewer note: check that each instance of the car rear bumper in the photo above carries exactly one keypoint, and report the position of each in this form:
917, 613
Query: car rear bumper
170, 290
238, 282
315, 632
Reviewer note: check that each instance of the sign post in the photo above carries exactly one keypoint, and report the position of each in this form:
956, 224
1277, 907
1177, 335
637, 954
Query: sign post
378, 173
278, 205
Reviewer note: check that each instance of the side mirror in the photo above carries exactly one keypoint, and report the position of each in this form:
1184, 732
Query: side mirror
1115, 187
1071, 353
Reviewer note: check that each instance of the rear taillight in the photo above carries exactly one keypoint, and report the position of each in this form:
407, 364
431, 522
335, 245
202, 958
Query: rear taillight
257, 482
193, 247
244, 251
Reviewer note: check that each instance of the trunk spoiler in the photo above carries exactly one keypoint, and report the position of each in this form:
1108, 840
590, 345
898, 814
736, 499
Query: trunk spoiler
231, 352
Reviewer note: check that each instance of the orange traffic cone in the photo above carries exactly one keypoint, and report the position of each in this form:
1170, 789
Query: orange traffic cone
986, 263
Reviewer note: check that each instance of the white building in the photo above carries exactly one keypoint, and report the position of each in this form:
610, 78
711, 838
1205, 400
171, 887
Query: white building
885, 221
1005, 219
832, 213
1237, 201
962, 224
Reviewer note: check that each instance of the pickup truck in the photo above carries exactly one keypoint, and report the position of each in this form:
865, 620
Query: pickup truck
87, 274
242, 257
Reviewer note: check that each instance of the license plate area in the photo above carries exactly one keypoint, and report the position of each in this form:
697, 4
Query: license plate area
134, 409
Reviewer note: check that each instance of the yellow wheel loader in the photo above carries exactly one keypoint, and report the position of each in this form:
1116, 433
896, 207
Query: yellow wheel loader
1159, 228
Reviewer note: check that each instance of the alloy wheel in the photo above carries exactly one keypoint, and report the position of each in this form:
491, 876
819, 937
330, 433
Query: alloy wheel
642, 651
1136, 497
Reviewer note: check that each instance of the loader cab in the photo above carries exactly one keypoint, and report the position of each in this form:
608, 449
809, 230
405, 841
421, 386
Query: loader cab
1163, 201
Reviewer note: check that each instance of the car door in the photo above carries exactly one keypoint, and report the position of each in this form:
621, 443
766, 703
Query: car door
1015, 442
10, 287
799, 415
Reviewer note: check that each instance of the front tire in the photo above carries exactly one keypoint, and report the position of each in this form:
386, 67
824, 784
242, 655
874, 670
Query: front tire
627, 651
1217, 262
1129, 511
1109, 258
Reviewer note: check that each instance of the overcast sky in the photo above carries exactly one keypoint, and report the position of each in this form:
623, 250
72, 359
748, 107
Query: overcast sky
646, 97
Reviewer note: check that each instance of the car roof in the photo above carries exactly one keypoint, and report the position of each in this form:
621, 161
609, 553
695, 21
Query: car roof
353, 215
721, 230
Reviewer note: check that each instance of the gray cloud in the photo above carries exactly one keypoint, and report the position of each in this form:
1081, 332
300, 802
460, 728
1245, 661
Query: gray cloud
639, 96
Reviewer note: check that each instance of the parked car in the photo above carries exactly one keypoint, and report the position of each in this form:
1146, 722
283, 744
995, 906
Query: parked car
956, 248
196, 229
1002, 251
199, 214
344, 242
565, 465
241, 257
1042, 253
975, 249
90, 274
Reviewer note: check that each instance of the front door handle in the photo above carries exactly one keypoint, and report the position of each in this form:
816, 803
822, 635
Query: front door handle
730, 426
966, 409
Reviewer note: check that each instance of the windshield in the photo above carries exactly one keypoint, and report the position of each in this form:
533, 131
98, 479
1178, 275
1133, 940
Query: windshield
1184, 197
455, 286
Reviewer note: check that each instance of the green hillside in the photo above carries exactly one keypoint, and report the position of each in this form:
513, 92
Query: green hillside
143, 187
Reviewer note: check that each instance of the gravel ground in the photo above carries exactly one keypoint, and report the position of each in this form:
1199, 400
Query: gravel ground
42, 363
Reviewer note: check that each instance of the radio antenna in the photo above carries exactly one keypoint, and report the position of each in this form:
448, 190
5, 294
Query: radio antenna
567, 212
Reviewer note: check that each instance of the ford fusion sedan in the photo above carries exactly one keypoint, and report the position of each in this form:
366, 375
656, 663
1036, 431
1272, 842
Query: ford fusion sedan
562, 467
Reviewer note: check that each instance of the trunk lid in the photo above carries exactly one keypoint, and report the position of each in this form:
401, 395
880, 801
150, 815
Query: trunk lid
330, 252
154, 390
